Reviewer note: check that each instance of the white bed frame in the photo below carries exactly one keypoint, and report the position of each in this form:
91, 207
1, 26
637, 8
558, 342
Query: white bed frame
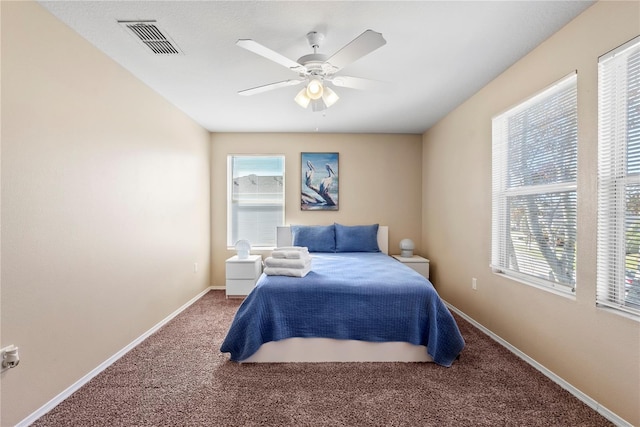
332, 350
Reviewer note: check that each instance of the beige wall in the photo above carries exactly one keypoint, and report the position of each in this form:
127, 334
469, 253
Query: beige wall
594, 350
105, 207
380, 182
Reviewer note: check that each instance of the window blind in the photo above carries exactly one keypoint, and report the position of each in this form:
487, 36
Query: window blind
255, 205
618, 259
534, 199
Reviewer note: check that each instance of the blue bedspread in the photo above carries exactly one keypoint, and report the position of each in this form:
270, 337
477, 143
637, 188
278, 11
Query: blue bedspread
358, 296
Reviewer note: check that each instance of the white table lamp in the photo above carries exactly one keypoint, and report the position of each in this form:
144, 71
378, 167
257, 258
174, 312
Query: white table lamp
406, 248
242, 248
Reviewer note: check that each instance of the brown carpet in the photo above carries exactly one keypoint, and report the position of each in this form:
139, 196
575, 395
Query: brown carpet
178, 377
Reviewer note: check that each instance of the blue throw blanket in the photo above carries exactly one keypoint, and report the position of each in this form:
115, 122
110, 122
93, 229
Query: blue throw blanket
358, 296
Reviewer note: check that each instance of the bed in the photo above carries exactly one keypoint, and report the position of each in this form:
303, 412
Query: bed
356, 304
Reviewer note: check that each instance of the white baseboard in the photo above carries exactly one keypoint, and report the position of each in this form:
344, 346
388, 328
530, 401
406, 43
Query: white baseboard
611, 416
104, 365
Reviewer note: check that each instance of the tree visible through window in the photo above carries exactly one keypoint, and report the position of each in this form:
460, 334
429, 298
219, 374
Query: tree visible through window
256, 199
534, 188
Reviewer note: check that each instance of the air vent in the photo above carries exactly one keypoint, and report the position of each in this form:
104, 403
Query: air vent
150, 35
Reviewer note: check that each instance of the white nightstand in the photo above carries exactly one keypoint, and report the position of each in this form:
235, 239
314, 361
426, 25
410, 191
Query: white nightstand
242, 275
416, 262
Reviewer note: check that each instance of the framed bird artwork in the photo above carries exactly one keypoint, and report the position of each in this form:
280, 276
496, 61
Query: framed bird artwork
319, 181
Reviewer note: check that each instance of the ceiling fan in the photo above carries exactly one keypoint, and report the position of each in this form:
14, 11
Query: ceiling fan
316, 69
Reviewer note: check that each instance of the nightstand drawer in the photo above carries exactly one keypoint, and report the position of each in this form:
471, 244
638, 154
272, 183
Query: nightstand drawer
240, 287
422, 268
243, 270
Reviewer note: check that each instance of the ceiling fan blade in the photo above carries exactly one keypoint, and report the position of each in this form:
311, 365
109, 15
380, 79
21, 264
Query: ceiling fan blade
362, 45
272, 55
354, 82
270, 86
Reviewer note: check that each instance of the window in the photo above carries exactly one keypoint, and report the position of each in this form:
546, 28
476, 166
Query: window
619, 178
534, 196
255, 199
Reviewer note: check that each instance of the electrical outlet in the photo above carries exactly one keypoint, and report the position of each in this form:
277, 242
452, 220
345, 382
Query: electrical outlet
10, 357
474, 284
195, 267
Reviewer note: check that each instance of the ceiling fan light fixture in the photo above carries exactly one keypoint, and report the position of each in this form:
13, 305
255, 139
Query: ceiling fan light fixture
315, 69
329, 97
315, 89
318, 105
302, 99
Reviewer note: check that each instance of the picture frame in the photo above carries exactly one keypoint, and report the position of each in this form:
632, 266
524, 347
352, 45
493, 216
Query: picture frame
319, 181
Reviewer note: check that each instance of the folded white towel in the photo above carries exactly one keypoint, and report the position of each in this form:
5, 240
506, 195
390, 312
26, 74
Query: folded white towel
292, 248
287, 263
292, 272
289, 254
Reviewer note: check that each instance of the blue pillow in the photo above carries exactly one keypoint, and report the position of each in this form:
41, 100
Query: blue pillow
357, 238
318, 238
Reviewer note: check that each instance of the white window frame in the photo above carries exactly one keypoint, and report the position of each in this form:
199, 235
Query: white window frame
269, 243
613, 180
501, 235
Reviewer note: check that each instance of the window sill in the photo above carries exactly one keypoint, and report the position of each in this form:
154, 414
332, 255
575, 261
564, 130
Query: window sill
556, 291
618, 312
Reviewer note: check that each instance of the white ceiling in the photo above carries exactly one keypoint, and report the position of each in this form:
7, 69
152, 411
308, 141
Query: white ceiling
438, 54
